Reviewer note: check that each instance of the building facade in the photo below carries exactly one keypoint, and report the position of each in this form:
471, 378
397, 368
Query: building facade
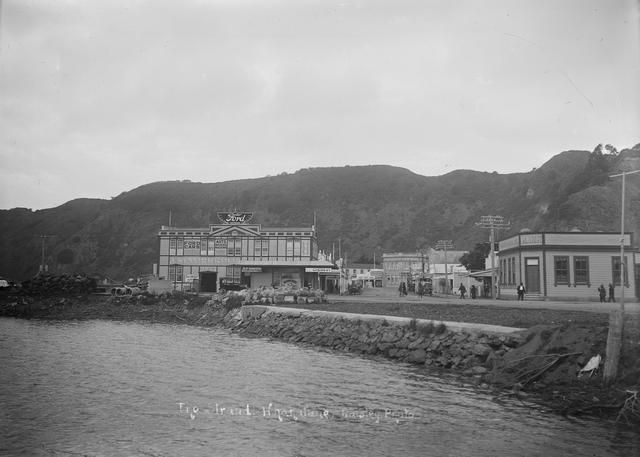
566, 265
236, 253
409, 267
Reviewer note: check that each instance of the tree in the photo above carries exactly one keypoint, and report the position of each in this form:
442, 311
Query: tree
474, 260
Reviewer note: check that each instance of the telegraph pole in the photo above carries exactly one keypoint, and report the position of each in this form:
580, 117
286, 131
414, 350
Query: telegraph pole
493, 223
616, 318
445, 244
43, 266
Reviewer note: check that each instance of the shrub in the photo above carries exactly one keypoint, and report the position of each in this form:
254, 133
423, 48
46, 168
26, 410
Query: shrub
232, 302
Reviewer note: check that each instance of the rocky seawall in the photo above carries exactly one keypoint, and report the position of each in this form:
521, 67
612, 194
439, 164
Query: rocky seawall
470, 348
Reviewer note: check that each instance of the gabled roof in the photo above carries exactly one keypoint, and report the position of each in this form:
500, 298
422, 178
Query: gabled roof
236, 230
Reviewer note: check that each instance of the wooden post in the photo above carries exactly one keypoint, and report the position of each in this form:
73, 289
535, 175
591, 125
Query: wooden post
614, 346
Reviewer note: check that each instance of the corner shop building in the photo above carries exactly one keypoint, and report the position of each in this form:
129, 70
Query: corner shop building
235, 252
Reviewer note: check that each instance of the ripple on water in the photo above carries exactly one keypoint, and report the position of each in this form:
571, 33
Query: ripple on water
110, 388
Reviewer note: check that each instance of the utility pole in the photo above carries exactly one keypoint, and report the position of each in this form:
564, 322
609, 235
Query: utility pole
445, 244
493, 223
43, 267
616, 318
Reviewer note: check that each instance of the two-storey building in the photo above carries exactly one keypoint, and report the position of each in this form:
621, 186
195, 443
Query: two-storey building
237, 253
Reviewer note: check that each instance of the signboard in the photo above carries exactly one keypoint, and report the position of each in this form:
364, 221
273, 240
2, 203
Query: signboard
321, 270
252, 269
235, 217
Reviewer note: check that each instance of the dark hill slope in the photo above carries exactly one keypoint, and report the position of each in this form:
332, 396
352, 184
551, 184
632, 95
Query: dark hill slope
368, 208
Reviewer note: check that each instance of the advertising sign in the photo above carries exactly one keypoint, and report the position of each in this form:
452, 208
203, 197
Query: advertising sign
235, 217
321, 270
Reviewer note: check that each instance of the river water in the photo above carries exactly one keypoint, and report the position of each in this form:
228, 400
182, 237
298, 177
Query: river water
101, 388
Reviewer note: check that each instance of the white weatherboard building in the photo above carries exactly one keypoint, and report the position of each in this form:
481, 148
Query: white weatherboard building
238, 253
567, 265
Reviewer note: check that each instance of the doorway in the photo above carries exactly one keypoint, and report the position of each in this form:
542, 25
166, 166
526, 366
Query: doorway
532, 275
208, 281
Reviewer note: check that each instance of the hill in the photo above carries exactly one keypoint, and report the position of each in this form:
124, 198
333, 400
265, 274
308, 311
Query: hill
368, 208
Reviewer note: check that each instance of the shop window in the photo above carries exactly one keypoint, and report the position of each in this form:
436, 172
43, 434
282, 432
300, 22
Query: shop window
581, 270
175, 273
615, 271
561, 270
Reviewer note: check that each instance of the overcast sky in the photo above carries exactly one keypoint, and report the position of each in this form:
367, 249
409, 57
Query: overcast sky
100, 97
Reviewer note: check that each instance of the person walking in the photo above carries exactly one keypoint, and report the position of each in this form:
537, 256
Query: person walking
602, 293
521, 291
463, 290
473, 291
612, 295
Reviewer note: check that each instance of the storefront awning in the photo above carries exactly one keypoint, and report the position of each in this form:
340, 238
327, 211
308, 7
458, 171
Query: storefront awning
482, 273
282, 263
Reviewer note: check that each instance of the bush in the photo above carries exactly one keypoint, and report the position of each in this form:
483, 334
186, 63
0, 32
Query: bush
232, 302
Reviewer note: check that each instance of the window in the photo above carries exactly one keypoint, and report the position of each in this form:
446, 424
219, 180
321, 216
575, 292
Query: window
561, 269
175, 273
234, 247
581, 270
615, 271
261, 248
306, 248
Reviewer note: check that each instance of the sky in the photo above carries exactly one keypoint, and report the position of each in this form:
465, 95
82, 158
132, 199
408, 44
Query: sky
100, 97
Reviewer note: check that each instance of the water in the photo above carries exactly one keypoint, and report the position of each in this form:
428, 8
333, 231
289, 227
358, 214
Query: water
99, 388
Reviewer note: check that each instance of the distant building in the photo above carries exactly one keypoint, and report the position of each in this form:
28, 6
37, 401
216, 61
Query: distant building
363, 274
408, 267
236, 253
566, 265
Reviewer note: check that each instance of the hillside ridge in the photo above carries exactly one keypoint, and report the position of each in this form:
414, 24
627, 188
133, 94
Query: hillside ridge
369, 208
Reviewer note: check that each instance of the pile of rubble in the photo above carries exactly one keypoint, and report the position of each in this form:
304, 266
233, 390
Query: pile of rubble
49, 284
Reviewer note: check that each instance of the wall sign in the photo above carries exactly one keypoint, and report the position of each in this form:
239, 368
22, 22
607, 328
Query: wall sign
235, 217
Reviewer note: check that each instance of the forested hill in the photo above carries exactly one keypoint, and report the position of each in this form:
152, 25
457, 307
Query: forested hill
369, 208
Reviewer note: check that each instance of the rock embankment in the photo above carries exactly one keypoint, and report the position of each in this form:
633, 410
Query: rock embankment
466, 347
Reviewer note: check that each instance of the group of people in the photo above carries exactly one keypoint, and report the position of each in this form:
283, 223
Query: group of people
603, 293
473, 291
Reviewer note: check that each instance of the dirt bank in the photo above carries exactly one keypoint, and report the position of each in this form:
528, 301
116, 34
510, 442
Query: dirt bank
543, 369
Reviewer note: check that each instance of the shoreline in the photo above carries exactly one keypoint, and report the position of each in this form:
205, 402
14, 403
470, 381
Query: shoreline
563, 394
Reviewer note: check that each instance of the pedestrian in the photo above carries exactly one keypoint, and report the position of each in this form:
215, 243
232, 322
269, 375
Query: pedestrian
473, 291
602, 293
521, 292
402, 289
463, 290
612, 296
